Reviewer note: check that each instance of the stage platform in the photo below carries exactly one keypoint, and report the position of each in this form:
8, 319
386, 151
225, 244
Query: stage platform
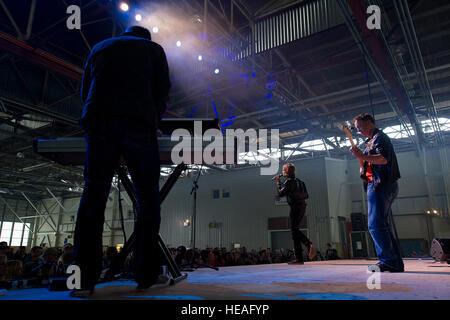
323, 280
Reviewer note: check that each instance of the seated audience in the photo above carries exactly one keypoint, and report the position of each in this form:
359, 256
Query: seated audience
32, 262
52, 267
67, 257
110, 255
3, 267
5, 250
15, 270
331, 253
20, 254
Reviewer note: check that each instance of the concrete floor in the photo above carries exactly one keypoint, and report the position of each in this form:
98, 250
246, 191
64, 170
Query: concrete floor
323, 280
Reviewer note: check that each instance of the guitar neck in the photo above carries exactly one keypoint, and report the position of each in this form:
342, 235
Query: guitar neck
349, 136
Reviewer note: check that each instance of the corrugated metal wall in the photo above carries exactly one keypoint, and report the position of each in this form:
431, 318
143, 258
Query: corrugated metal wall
339, 199
296, 23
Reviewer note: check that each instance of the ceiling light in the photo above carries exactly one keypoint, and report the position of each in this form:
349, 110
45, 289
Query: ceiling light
124, 6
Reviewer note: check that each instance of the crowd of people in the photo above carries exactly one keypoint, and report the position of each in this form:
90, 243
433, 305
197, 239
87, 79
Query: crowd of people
45, 263
221, 257
39, 263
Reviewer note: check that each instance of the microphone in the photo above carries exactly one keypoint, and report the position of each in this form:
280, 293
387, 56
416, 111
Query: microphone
278, 175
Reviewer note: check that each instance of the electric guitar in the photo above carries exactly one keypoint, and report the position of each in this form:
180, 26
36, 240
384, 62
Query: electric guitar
366, 175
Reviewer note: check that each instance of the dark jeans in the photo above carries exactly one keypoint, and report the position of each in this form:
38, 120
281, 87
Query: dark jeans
105, 145
296, 215
379, 205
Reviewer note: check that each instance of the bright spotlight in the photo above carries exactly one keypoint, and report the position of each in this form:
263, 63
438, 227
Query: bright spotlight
138, 17
200, 57
124, 6
178, 43
155, 29
217, 71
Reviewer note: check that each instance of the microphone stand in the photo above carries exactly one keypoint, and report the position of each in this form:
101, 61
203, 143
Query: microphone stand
192, 263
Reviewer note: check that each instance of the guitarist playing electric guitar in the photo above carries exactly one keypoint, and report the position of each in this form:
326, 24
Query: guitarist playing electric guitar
380, 161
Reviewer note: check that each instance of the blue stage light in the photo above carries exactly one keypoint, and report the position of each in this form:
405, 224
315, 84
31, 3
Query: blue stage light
228, 119
215, 109
227, 124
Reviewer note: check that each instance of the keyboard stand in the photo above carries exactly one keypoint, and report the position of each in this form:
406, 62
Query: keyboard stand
167, 259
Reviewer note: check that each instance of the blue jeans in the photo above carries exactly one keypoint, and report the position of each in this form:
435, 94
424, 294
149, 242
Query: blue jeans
379, 205
105, 145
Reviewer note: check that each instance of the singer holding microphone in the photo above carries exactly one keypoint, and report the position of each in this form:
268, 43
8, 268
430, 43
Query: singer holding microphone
295, 191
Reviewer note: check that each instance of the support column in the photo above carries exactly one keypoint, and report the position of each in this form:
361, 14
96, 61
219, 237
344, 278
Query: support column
58, 223
34, 234
114, 215
3, 219
444, 156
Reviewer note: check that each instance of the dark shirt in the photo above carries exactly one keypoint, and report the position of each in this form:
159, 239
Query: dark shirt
331, 254
294, 189
382, 174
125, 77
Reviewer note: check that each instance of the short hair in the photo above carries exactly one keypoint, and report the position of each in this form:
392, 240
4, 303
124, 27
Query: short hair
137, 31
290, 168
35, 248
364, 117
51, 252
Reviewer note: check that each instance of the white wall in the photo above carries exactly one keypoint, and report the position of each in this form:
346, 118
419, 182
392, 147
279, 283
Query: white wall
339, 198
244, 216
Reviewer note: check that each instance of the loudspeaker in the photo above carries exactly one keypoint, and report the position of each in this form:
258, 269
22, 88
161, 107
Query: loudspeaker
440, 249
359, 222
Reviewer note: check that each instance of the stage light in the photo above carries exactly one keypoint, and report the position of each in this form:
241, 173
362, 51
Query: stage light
200, 57
138, 17
217, 71
155, 29
124, 6
178, 43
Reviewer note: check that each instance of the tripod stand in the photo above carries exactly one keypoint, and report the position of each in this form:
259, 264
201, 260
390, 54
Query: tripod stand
192, 262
